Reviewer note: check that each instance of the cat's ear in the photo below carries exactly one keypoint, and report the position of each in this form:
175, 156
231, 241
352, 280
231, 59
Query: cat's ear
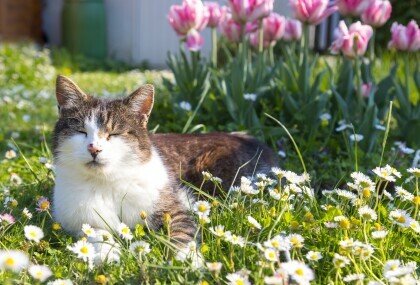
68, 93
141, 102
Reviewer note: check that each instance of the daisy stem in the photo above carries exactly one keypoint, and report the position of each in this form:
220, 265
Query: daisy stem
368, 269
365, 232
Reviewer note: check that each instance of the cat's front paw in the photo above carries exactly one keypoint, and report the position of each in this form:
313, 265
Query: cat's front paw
190, 255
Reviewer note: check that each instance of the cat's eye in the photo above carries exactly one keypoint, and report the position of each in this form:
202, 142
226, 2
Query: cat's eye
82, 132
113, 135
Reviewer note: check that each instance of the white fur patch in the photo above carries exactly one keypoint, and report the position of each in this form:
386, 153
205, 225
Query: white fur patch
104, 196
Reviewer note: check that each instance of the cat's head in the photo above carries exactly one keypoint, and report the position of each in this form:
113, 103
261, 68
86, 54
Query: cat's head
100, 135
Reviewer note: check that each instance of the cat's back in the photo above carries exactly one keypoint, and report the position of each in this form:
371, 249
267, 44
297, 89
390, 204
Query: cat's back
222, 154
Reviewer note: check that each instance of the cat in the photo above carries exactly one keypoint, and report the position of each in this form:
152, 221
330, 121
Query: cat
109, 169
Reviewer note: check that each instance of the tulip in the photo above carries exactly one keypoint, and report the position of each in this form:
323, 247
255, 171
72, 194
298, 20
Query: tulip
292, 30
377, 13
366, 89
216, 13
194, 40
250, 10
311, 12
405, 38
352, 7
273, 29
232, 30
345, 39
191, 15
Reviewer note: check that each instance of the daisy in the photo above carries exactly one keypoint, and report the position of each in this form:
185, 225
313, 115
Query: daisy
42, 160
297, 179
298, 271
340, 260
250, 96
313, 255
14, 178
293, 188
414, 225
124, 231
279, 242
354, 277
106, 252
88, 230
362, 180
203, 219
253, 222
218, 231
347, 195
7, 219
216, 180
331, 225
415, 171
367, 213
43, 204
235, 240
10, 154
14, 260
140, 248
296, 240
184, 105
379, 234
214, 266
400, 217
280, 277
278, 172
356, 137
348, 243
33, 233
83, 249
274, 193
343, 222
237, 279
26, 214
40, 272
270, 254
246, 187
201, 207
363, 250
403, 194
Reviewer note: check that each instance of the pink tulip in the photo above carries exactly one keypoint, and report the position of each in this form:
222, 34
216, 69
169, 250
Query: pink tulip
377, 13
250, 10
352, 7
405, 38
216, 14
366, 89
190, 15
293, 30
273, 29
345, 39
194, 40
311, 12
232, 30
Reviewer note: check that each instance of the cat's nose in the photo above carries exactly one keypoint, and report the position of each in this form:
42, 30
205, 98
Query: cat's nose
94, 149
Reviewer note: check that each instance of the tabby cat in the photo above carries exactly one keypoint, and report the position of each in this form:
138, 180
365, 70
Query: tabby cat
109, 169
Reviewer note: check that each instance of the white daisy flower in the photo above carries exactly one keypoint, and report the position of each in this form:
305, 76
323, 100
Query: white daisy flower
246, 187
362, 250
342, 125
250, 97
140, 248
278, 172
403, 194
6, 219
88, 230
348, 243
214, 266
218, 231
270, 254
354, 277
325, 117
384, 173
40, 272
237, 279
203, 219
42, 160
26, 213
340, 260
388, 195
367, 213
280, 277
296, 240
379, 234
253, 222
10, 154
201, 207
400, 217
13, 260
279, 242
414, 225
414, 171
259, 201
298, 271
33, 233
331, 225
107, 252
347, 195
235, 240
83, 249
124, 231
206, 175
293, 178
274, 193
14, 178
313, 255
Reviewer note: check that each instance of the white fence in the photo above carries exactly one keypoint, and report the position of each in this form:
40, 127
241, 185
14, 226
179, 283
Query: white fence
137, 30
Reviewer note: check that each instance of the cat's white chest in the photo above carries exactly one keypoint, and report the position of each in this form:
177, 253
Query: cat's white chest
104, 201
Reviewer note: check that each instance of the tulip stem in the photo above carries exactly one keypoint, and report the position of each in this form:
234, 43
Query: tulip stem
271, 54
214, 47
372, 46
407, 74
358, 83
306, 60
260, 36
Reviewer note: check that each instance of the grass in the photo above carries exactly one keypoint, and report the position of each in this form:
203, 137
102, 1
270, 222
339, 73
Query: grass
285, 208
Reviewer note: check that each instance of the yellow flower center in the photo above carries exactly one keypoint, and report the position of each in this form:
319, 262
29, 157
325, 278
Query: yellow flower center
276, 191
299, 271
345, 224
125, 230
44, 205
32, 234
239, 282
416, 200
366, 193
393, 267
84, 250
294, 240
271, 255
275, 243
401, 219
38, 274
14, 204
220, 232
202, 208
10, 262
